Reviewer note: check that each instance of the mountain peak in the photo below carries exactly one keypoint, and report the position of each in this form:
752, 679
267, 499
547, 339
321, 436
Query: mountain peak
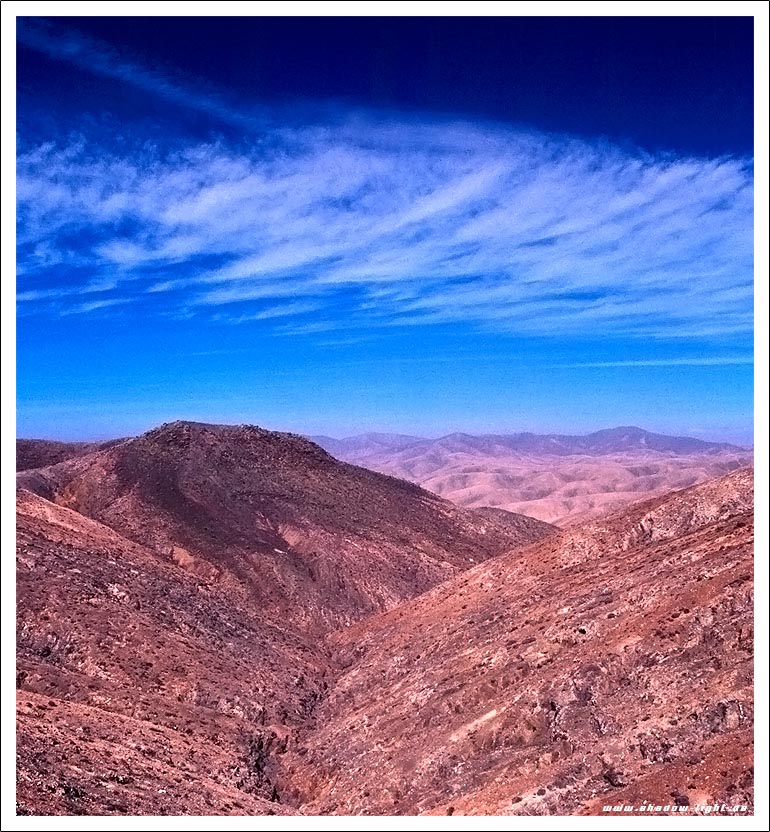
230, 495
621, 429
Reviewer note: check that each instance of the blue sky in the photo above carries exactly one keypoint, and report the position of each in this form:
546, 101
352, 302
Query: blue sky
266, 222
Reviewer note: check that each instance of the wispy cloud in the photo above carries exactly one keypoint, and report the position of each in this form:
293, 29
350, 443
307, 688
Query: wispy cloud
372, 222
715, 361
72, 46
92, 306
282, 310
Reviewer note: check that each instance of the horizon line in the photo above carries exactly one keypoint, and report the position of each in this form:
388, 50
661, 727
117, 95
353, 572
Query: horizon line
365, 433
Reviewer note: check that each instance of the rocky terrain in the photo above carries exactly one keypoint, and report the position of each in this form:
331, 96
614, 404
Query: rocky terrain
607, 664
224, 620
556, 478
174, 592
320, 541
140, 687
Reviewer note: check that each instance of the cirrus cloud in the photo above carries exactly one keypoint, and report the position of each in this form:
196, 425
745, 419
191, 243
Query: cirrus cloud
368, 221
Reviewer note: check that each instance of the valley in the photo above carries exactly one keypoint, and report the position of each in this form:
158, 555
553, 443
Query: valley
225, 620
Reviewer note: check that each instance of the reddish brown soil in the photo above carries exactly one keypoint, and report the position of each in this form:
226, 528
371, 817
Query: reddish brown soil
130, 667
223, 620
547, 680
319, 541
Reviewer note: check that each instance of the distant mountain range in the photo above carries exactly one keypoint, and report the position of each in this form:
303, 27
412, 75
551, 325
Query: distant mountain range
554, 477
225, 620
36, 453
609, 441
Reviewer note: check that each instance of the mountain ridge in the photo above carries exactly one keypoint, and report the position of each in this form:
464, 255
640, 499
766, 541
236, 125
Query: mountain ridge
606, 440
558, 478
228, 620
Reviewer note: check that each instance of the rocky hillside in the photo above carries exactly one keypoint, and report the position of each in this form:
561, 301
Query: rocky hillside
608, 664
322, 541
224, 620
140, 688
174, 594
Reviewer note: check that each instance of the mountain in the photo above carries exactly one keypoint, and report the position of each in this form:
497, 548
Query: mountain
557, 478
323, 540
365, 444
222, 620
609, 664
615, 440
174, 595
39, 453
608, 441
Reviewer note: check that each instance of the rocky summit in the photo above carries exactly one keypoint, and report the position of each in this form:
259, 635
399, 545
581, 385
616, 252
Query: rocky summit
224, 620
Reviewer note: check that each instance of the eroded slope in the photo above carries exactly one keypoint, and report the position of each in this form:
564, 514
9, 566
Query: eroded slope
174, 594
319, 541
141, 689
610, 663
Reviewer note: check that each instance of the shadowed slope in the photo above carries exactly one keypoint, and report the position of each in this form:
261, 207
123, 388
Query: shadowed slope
40, 453
321, 541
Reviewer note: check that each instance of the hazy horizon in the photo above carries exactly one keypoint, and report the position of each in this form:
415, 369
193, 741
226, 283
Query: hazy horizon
304, 224
426, 435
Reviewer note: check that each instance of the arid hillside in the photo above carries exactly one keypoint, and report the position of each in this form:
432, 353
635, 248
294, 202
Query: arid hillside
609, 664
174, 594
224, 620
559, 479
142, 689
320, 540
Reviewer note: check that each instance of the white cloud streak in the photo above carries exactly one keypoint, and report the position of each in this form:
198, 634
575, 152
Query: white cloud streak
714, 361
281, 310
93, 305
377, 222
